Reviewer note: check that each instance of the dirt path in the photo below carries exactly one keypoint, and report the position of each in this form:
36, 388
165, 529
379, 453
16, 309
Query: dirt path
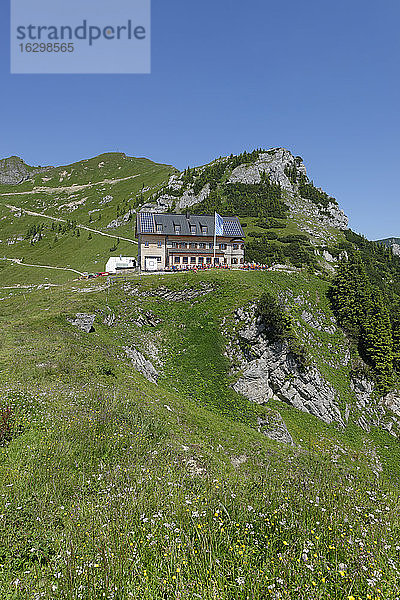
36, 214
18, 261
69, 188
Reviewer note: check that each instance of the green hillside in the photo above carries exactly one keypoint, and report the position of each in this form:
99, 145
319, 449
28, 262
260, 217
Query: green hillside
216, 435
117, 487
90, 193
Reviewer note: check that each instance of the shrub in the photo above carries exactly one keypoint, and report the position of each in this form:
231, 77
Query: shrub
277, 323
278, 327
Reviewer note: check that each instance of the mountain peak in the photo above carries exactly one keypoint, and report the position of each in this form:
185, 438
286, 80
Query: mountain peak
14, 170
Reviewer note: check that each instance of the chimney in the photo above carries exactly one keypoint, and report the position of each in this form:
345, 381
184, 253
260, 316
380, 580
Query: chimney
187, 214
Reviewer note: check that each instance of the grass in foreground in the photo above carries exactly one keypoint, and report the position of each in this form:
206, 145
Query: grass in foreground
116, 488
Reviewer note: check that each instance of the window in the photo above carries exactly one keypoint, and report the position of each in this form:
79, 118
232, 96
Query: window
208, 260
159, 227
174, 245
211, 245
235, 246
234, 261
193, 229
192, 245
201, 259
202, 245
192, 260
185, 260
222, 246
177, 228
242, 246
146, 244
241, 261
216, 260
159, 258
159, 244
204, 229
177, 259
181, 245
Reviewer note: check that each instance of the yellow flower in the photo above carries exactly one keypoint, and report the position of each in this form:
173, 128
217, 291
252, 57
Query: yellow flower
342, 573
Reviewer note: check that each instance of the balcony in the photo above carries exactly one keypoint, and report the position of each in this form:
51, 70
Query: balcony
200, 251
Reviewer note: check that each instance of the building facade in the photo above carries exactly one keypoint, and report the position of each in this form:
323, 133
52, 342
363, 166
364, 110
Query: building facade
187, 241
120, 263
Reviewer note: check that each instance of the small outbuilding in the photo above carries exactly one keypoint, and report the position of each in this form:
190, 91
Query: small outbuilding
120, 263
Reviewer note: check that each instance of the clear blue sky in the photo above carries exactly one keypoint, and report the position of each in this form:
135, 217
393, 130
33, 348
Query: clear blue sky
319, 78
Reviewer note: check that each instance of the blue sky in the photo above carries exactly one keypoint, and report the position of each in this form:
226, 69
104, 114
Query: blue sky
319, 78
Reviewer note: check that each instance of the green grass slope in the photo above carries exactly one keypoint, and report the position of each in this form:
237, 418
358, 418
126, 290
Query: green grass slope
91, 193
115, 487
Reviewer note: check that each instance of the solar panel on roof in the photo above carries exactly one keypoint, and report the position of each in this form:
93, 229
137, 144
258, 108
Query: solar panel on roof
232, 228
147, 223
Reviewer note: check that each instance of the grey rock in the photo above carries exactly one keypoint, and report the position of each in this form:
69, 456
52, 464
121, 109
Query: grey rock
14, 170
189, 198
363, 389
83, 321
317, 322
164, 202
274, 427
392, 402
179, 295
122, 220
327, 256
269, 369
273, 163
396, 249
237, 461
109, 320
141, 364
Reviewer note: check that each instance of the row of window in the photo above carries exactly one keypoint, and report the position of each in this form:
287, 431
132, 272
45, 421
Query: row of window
159, 244
193, 245
177, 229
200, 246
185, 260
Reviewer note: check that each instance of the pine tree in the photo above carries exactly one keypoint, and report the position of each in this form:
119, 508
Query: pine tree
361, 311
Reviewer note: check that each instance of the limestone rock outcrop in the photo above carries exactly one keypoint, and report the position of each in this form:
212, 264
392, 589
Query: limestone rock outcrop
141, 364
14, 170
83, 321
271, 370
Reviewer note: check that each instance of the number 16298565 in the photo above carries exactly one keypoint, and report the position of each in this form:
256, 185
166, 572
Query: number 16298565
47, 47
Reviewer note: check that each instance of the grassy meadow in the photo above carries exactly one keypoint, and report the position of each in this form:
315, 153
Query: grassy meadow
115, 487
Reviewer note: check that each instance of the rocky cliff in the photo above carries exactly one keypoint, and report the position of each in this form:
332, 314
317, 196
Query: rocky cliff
277, 164
14, 170
268, 371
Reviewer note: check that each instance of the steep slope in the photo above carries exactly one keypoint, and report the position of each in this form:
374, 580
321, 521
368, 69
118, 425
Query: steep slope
132, 468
